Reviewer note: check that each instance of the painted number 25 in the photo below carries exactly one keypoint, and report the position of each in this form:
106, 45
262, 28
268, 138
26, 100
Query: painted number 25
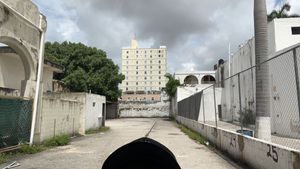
272, 153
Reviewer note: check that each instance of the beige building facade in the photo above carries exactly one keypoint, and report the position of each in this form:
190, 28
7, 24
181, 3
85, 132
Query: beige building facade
144, 70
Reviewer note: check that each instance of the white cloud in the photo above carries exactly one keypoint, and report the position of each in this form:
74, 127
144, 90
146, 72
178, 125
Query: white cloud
196, 33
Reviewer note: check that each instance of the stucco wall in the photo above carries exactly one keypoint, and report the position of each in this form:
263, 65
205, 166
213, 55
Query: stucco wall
11, 71
254, 152
23, 37
199, 75
207, 106
281, 34
93, 110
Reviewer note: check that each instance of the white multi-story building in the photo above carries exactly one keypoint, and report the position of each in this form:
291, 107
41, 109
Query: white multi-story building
144, 70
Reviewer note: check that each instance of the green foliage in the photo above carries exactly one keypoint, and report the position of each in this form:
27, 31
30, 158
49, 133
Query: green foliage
192, 134
281, 13
3, 158
26, 149
57, 141
86, 68
97, 130
171, 86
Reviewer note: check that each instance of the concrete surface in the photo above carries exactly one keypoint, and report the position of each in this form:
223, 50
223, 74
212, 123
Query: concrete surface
91, 151
254, 152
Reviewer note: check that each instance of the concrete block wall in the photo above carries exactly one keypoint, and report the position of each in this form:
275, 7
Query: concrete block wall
256, 153
60, 116
135, 109
68, 113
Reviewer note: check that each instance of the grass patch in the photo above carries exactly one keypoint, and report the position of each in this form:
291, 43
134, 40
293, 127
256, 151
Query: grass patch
192, 134
57, 141
26, 149
3, 158
97, 130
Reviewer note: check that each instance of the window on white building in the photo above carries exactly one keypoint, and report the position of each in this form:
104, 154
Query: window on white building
295, 30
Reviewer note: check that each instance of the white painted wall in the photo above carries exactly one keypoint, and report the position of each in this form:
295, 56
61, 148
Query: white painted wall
252, 151
93, 110
68, 113
207, 109
184, 92
11, 71
280, 33
198, 74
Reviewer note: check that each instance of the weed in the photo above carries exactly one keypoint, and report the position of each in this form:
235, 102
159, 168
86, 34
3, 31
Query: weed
26, 149
57, 141
97, 130
192, 134
3, 158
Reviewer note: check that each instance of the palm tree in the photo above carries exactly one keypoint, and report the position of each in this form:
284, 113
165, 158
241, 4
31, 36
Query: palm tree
262, 95
171, 86
281, 13
171, 89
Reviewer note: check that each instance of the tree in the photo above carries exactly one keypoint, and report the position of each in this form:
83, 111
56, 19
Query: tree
263, 129
86, 69
281, 13
171, 86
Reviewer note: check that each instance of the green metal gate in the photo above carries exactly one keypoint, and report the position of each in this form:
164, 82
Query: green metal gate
15, 121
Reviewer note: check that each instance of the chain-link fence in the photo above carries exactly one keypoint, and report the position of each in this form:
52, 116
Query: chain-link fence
231, 102
15, 121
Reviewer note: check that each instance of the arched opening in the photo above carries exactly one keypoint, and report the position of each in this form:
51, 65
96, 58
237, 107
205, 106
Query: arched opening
16, 65
208, 79
191, 80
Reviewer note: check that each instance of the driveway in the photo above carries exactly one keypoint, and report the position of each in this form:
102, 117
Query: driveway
90, 152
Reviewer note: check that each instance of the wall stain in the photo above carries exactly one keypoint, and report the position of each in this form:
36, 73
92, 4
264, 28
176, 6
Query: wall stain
4, 13
241, 145
296, 163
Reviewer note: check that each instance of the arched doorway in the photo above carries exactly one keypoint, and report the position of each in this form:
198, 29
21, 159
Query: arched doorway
191, 80
208, 79
16, 66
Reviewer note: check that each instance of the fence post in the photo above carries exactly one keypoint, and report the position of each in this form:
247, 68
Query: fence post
240, 103
297, 78
203, 109
54, 127
214, 90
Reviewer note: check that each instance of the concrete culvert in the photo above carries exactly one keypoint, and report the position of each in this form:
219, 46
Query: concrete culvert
143, 153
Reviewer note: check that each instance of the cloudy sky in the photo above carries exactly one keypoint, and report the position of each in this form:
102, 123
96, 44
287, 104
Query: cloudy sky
196, 32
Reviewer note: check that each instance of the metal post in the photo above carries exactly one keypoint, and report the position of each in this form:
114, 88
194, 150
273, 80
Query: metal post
203, 109
73, 127
297, 78
38, 89
240, 104
54, 127
214, 90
